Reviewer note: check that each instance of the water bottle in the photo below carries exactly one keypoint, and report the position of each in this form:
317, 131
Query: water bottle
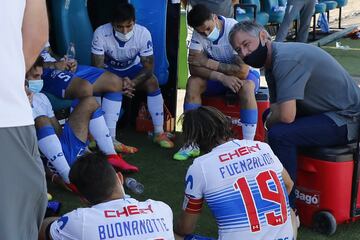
134, 185
70, 53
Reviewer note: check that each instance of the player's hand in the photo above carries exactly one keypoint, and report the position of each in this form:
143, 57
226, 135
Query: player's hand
61, 65
71, 64
128, 87
197, 59
233, 83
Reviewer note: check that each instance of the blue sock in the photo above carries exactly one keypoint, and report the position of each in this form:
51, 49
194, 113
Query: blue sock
191, 106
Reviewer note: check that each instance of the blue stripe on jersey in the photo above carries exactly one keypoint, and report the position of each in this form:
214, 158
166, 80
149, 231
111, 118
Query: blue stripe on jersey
228, 207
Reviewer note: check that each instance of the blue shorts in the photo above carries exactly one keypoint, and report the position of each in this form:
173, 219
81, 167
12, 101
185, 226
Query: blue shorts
71, 145
215, 88
56, 81
130, 73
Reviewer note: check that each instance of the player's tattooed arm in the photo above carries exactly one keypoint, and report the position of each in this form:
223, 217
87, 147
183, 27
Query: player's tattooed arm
146, 72
238, 68
97, 60
55, 123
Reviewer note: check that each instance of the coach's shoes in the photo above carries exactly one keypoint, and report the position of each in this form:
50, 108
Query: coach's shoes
122, 148
163, 140
186, 152
118, 162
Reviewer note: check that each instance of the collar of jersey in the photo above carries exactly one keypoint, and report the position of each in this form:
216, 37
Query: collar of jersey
222, 19
120, 201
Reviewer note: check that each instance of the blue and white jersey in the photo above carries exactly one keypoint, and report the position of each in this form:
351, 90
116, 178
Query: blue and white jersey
242, 184
126, 219
220, 50
41, 106
121, 55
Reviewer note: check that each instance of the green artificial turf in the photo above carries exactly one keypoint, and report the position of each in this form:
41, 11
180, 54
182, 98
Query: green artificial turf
182, 59
349, 59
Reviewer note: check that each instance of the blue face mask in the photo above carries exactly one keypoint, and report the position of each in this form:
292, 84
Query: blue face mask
36, 85
214, 35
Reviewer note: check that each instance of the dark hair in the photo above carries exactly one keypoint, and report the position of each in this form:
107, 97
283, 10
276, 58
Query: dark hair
94, 177
198, 15
39, 62
123, 12
206, 127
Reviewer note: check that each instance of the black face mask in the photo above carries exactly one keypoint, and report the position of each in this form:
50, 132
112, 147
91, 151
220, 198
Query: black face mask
257, 58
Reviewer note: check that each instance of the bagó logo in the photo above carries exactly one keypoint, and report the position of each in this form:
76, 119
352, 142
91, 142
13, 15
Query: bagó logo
310, 198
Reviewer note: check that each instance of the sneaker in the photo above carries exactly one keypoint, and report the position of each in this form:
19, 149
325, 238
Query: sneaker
186, 152
72, 188
163, 140
118, 162
122, 148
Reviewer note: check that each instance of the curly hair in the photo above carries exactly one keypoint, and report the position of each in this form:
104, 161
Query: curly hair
206, 127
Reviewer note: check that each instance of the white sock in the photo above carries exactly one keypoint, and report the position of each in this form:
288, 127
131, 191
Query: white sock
50, 146
155, 104
111, 110
100, 132
248, 131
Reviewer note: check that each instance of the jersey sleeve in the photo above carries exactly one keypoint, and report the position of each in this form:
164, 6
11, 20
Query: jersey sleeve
194, 189
41, 106
97, 45
146, 46
69, 226
291, 78
195, 43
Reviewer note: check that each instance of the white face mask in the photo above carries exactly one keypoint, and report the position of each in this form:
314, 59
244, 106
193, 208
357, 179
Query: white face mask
124, 37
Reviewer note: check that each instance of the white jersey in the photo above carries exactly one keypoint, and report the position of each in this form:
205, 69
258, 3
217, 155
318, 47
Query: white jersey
41, 106
14, 104
126, 219
220, 50
242, 184
121, 55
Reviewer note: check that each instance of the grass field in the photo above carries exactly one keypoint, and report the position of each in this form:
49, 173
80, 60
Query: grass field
163, 179
349, 59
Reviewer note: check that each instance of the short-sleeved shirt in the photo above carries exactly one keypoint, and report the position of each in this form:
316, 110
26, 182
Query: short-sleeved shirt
41, 106
14, 105
317, 82
121, 55
241, 182
126, 219
220, 50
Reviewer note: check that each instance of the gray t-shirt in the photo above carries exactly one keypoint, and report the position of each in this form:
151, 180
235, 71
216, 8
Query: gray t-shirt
219, 7
317, 82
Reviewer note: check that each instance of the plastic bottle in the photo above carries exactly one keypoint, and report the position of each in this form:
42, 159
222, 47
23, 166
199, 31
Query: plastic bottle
70, 53
134, 185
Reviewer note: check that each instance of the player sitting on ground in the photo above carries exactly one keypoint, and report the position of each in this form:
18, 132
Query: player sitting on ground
125, 48
111, 215
242, 181
215, 68
60, 146
64, 78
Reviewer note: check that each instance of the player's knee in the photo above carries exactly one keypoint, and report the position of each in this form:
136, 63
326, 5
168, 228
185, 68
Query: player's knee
115, 83
42, 121
152, 83
195, 86
90, 103
83, 89
247, 90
